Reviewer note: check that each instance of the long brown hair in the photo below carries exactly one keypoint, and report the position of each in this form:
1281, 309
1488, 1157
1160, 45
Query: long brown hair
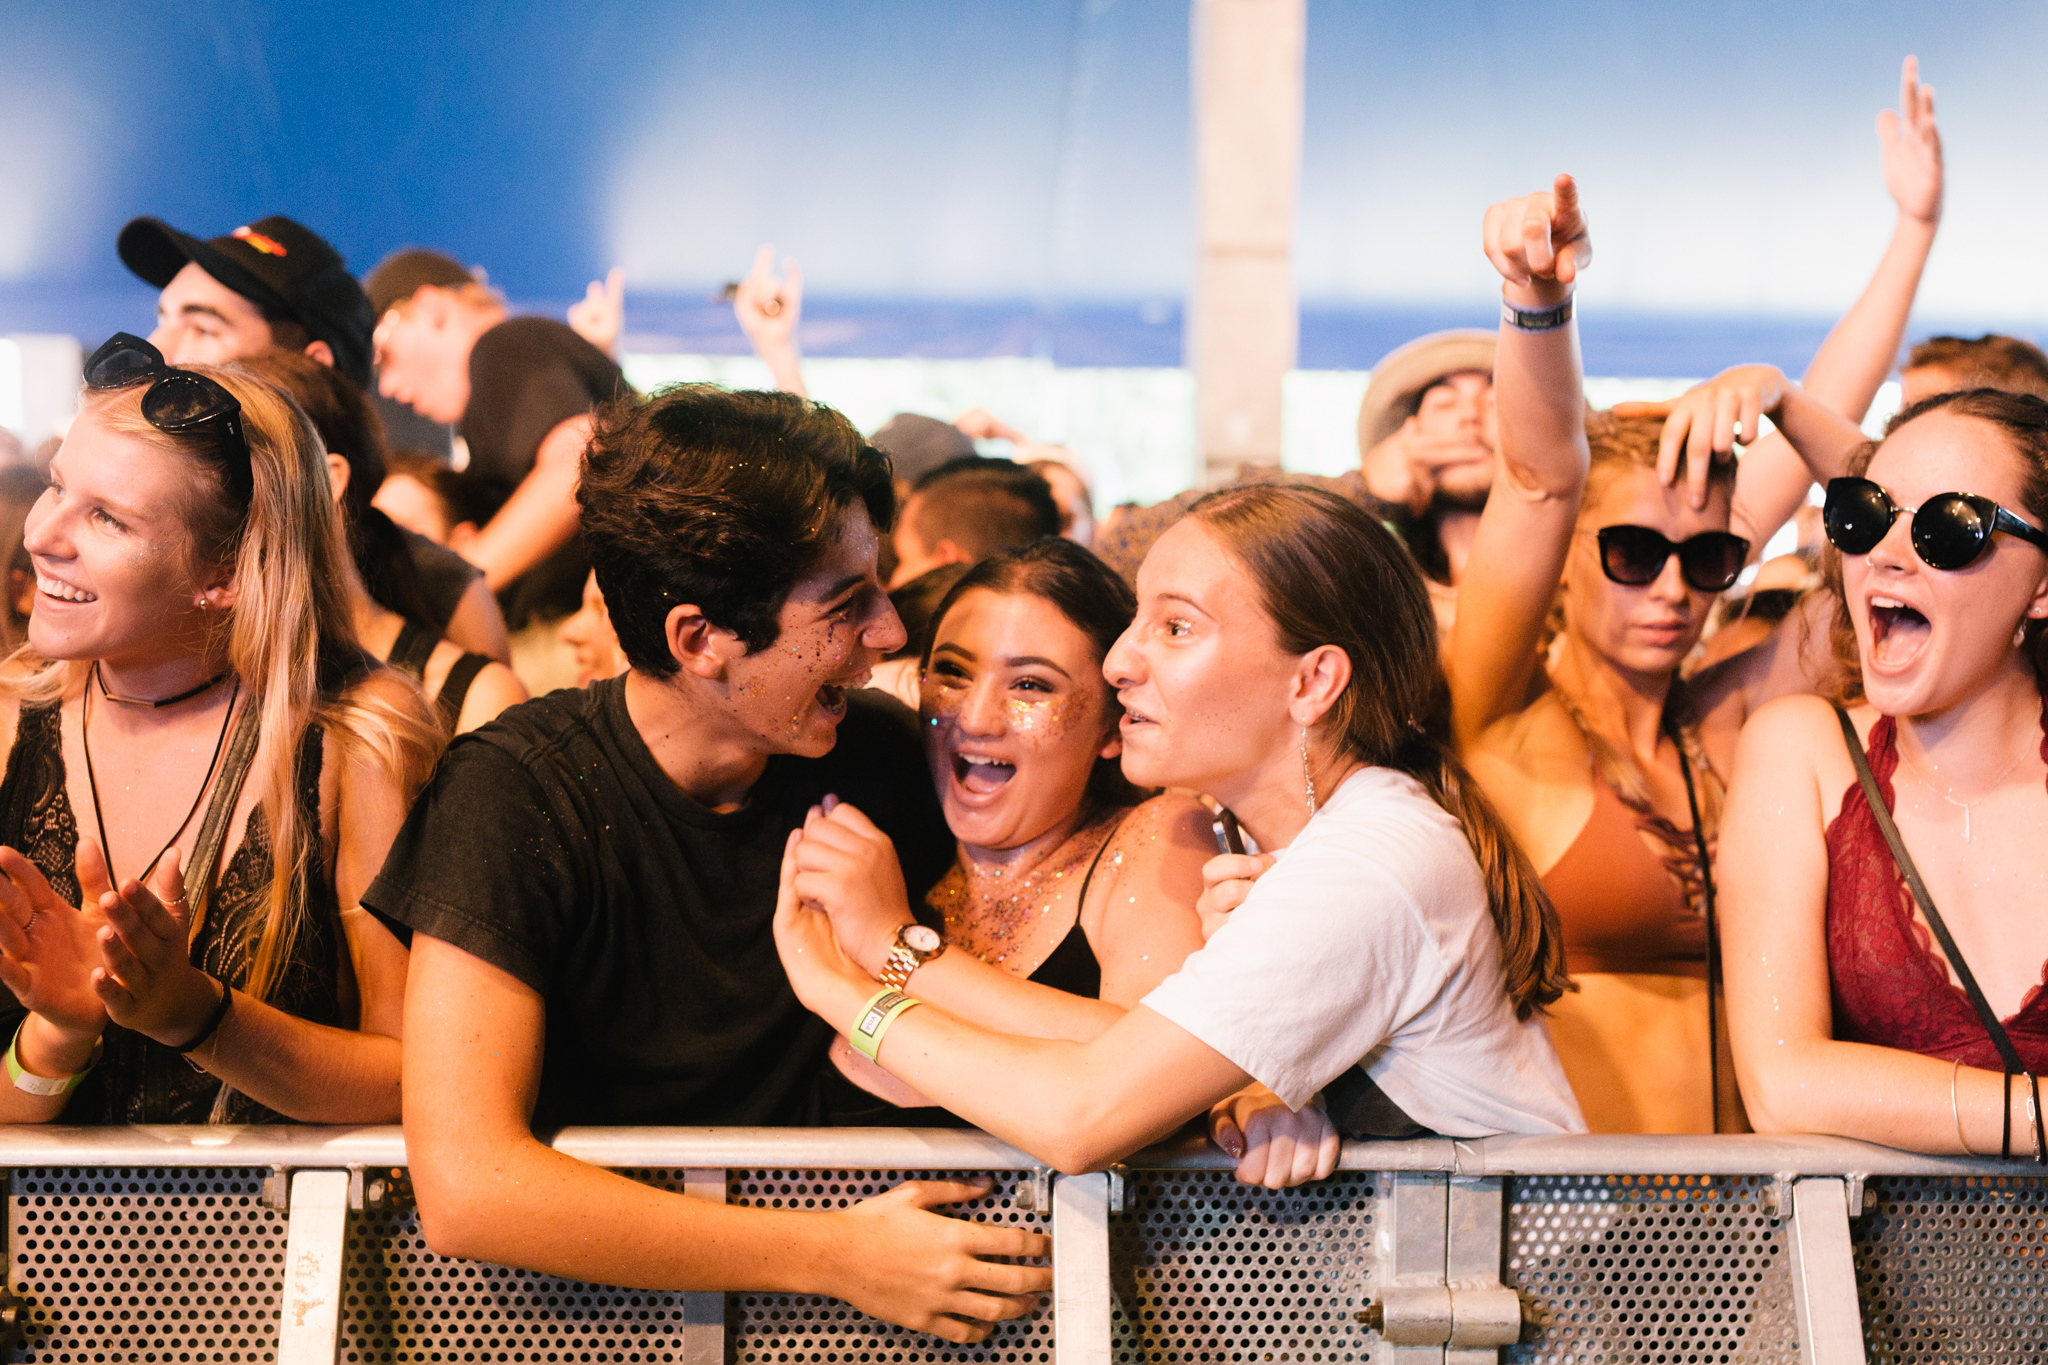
2022, 419
1328, 574
290, 633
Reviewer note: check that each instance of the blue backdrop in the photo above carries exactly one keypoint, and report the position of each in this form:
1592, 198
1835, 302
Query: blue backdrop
1013, 177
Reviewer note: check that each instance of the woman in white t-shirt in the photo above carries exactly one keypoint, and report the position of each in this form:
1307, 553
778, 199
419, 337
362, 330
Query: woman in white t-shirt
1394, 948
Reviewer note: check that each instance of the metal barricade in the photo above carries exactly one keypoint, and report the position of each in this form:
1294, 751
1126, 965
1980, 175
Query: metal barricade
297, 1245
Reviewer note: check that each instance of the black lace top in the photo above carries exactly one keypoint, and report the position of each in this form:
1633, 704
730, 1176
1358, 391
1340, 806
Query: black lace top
139, 1080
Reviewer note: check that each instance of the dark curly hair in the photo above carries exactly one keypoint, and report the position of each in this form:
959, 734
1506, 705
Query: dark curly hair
724, 500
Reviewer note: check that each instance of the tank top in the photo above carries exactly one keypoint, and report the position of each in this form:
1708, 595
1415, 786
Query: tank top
1622, 907
138, 1079
1889, 981
411, 650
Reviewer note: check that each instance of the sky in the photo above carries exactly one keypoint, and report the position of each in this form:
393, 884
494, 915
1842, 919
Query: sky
939, 154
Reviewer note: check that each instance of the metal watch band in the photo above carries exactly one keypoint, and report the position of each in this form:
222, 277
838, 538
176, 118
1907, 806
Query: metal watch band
1546, 320
897, 967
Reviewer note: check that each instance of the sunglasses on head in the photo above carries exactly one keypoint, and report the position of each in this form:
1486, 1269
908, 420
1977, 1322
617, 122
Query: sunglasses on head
1635, 555
1950, 530
179, 403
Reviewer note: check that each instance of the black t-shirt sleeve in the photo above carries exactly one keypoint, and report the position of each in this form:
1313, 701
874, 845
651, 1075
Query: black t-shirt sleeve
523, 383
481, 863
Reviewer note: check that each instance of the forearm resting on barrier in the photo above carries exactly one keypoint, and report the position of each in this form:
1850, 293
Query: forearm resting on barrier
1076, 1106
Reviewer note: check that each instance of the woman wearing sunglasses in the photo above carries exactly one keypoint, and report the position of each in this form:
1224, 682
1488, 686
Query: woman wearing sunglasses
1589, 583
203, 772
1881, 865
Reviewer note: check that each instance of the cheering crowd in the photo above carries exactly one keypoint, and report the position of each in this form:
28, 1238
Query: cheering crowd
869, 780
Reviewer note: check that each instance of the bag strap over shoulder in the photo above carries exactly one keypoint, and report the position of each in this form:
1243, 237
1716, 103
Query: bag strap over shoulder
1999, 1039
220, 811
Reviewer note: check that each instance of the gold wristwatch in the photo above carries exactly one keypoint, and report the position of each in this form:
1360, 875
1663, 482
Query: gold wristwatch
916, 944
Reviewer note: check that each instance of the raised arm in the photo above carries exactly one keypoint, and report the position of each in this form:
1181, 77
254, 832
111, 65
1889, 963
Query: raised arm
1861, 350
1846, 372
1539, 244
768, 310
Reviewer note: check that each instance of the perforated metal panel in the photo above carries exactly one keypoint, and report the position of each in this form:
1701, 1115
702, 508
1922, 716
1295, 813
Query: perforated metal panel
403, 1303
1206, 1269
130, 1264
777, 1329
1649, 1269
1953, 1269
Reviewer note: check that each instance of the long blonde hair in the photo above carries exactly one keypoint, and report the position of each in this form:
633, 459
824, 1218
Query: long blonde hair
290, 633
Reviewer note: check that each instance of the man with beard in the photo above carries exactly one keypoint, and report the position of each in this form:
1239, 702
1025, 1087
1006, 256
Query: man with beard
1426, 439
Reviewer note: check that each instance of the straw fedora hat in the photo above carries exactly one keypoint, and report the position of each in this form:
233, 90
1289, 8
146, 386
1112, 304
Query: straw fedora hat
1407, 370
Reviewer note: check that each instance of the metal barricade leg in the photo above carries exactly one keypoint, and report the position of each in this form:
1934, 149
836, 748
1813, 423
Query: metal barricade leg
704, 1314
1824, 1274
1080, 1269
309, 1327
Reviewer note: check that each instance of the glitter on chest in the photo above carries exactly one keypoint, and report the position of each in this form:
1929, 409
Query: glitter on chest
992, 913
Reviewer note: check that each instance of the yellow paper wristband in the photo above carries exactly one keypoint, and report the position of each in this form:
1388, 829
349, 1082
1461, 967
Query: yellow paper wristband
874, 1019
21, 1078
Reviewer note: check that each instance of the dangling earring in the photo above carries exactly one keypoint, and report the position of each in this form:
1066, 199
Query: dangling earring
1308, 778
2019, 633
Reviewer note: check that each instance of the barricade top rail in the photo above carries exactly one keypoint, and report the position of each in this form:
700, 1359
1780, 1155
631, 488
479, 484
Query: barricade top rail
203, 1145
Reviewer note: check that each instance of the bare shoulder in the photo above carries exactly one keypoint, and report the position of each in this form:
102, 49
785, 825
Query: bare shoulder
1172, 826
496, 687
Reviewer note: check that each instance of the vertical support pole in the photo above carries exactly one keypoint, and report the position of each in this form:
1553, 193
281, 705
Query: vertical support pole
704, 1313
1244, 325
1080, 1269
1415, 1303
309, 1327
1824, 1274
1485, 1314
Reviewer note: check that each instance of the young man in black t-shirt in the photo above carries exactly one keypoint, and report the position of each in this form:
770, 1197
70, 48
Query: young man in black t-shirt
590, 881
519, 391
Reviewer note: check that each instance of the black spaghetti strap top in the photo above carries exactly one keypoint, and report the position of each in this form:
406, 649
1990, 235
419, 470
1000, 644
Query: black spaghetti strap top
139, 1080
1072, 966
411, 650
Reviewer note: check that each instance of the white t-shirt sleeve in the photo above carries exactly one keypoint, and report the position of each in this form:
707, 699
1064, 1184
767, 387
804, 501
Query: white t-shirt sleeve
1370, 942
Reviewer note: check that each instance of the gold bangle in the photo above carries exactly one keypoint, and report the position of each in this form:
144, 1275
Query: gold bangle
1956, 1111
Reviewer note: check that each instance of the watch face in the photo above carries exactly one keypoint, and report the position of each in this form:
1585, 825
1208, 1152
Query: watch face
921, 938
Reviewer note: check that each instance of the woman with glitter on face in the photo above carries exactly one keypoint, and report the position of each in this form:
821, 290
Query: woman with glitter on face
1074, 891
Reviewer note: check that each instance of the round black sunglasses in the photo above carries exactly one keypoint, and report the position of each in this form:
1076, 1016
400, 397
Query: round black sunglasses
179, 403
1635, 555
1950, 530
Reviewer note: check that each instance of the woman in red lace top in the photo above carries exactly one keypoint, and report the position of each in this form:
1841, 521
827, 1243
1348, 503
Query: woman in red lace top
1846, 1016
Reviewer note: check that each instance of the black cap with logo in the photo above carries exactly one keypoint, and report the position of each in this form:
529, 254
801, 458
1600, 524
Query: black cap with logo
281, 267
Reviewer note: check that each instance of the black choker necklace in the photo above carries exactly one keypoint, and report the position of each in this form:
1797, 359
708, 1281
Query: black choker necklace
215, 681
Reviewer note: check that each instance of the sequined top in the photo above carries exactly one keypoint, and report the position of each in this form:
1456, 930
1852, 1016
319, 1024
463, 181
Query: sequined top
139, 1080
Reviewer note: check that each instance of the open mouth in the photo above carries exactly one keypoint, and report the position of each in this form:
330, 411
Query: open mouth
62, 591
980, 775
1897, 632
832, 699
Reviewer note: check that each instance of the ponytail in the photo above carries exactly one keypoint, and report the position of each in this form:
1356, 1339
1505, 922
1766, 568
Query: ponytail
1329, 574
